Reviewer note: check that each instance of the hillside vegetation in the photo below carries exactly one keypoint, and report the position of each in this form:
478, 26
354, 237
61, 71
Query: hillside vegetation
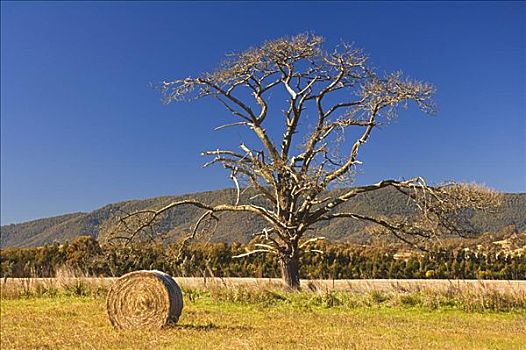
489, 256
239, 227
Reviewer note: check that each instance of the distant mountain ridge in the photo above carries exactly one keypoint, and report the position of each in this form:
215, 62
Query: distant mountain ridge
240, 227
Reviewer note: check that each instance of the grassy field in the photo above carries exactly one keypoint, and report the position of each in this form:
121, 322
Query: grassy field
250, 318
358, 285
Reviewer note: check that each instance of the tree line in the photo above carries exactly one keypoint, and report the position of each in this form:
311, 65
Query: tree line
337, 261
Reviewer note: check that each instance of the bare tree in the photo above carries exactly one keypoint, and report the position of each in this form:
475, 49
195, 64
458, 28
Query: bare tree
326, 97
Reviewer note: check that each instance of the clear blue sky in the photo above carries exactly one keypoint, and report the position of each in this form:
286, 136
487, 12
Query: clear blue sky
82, 128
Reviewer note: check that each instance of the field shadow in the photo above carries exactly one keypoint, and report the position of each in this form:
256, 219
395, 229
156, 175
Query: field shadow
208, 326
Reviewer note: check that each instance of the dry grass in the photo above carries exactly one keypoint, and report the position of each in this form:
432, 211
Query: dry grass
66, 283
67, 279
485, 299
212, 321
467, 295
69, 313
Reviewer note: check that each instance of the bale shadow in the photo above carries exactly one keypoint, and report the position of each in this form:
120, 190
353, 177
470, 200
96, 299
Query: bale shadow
208, 326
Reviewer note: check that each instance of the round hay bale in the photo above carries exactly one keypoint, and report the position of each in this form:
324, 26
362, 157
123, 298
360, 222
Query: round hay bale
144, 299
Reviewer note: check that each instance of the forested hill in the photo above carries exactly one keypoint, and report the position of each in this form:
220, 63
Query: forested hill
239, 227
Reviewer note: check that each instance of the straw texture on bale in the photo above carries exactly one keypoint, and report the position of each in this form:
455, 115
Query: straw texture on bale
144, 299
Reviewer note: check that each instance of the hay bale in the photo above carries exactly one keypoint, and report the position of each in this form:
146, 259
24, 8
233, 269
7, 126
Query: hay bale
144, 299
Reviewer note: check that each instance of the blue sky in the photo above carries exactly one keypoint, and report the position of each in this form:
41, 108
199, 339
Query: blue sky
81, 127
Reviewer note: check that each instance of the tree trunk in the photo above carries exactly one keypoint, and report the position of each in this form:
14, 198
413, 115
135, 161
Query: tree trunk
290, 273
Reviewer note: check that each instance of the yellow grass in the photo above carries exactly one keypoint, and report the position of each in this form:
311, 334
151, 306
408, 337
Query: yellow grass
259, 318
16, 286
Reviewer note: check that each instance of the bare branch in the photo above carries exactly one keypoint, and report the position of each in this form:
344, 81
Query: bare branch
231, 124
253, 252
312, 240
343, 93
